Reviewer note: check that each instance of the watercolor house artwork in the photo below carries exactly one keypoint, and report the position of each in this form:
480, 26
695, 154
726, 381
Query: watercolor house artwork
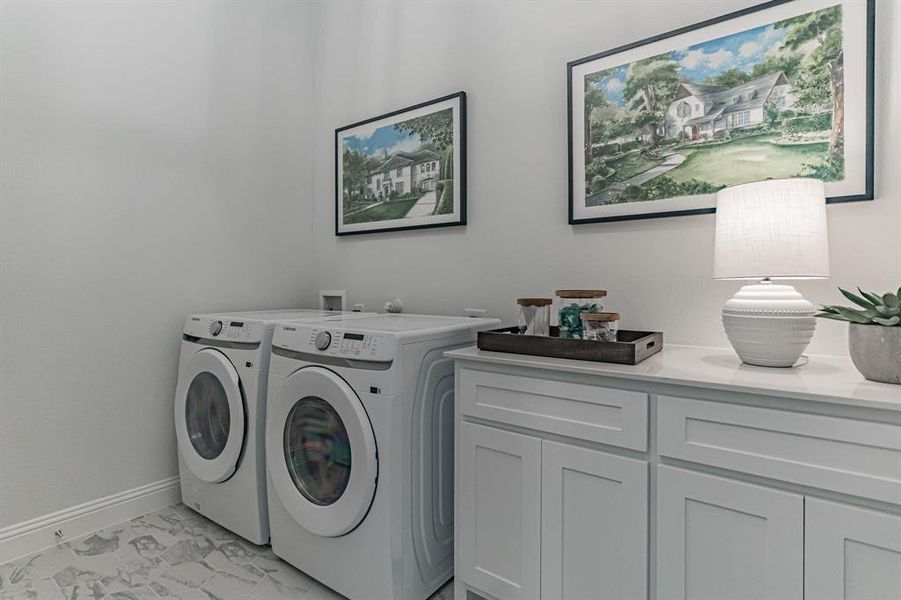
699, 111
762, 102
403, 170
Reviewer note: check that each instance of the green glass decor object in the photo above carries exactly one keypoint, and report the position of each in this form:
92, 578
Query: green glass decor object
571, 319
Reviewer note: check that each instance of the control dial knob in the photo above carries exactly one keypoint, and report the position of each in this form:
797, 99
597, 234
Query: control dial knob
215, 328
323, 339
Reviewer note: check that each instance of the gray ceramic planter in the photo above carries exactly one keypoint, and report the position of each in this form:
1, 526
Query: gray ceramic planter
876, 351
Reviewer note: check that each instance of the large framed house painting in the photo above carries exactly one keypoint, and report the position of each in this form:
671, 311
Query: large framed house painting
403, 170
782, 89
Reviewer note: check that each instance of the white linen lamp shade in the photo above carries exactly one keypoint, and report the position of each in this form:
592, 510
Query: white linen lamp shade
774, 229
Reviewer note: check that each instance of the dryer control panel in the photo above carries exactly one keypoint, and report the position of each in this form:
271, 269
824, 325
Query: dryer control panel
320, 339
231, 330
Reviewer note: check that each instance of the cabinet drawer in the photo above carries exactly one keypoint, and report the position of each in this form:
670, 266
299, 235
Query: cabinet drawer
862, 458
589, 412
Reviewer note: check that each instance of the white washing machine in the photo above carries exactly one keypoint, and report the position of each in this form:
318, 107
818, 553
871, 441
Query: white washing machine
360, 457
220, 415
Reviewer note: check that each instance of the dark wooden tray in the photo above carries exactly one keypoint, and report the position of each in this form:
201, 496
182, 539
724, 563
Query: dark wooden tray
631, 347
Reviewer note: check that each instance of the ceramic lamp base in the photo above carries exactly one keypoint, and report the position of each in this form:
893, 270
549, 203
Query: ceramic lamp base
769, 325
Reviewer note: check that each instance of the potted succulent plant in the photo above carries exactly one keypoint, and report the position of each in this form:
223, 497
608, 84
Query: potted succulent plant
874, 334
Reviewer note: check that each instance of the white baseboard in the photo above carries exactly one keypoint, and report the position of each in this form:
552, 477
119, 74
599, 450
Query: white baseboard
38, 533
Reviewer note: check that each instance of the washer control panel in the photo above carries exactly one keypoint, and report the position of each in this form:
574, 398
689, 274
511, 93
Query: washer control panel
223, 329
320, 339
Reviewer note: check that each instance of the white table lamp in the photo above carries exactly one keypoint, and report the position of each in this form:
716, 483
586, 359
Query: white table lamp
765, 231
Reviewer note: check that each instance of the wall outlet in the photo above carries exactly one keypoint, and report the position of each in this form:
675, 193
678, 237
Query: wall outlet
475, 312
334, 300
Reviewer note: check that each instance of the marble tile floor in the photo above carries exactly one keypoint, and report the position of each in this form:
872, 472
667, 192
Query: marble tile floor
172, 554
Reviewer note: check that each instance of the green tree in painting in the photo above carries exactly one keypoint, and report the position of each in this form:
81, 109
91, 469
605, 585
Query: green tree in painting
437, 128
771, 114
594, 100
821, 73
355, 171
447, 164
650, 86
786, 61
621, 127
729, 78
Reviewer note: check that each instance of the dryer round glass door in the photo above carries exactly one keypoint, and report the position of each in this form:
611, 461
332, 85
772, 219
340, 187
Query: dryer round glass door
321, 452
209, 416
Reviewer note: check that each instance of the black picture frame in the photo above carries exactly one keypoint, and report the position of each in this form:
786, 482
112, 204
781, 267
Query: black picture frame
459, 162
869, 175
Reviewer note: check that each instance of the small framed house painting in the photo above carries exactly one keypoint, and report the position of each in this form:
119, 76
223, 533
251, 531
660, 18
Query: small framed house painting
403, 170
781, 89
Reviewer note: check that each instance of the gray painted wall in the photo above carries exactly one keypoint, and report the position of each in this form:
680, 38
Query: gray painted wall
153, 164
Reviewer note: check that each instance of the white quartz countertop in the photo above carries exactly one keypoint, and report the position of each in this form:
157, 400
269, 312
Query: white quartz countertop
830, 379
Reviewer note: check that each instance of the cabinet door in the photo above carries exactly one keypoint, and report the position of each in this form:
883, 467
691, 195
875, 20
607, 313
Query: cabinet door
594, 524
719, 539
851, 553
499, 511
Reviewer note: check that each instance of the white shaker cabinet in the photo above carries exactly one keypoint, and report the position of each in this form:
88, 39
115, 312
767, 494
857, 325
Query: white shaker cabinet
540, 518
686, 477
498, 511
720, 539
852, 553
594, 516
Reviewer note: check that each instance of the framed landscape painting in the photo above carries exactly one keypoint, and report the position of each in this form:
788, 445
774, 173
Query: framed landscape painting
403, 170
782, 89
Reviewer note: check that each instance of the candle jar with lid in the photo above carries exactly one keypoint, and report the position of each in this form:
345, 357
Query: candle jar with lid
600, 326
570, 306
534, 316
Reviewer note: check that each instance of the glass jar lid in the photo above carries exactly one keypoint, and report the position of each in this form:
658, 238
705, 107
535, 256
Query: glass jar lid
600, 316
534, 301
581, 293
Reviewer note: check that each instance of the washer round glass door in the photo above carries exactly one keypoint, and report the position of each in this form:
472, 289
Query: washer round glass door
209, 416
321, 452
317, 450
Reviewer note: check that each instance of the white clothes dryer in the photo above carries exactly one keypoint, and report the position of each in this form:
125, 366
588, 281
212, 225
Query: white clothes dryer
360, 458
220, 412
